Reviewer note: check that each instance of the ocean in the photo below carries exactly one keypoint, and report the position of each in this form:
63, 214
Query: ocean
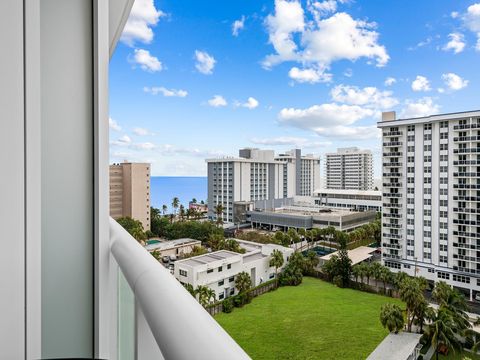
165, 188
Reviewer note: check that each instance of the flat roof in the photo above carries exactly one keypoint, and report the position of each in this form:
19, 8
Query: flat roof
253, 257
312, 210
396, 346
208, 258
430, 118
168, 244
349, 192
357, 255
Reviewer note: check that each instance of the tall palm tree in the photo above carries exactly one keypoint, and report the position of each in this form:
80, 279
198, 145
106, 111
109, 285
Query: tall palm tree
194, 201
376, 268
164, 209
219, 214
182, 212
175, 204
276, 260
210, 295
202, 294
442, 331
356, 271
391, 317
453, 302
190, 289
154, 213
411, 292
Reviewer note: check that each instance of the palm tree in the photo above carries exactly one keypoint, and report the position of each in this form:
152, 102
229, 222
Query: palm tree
376, 269
194, 201
276, 260
202, 293
368, 272
385, 276
175, 204
391, 317
442, 331
453, 302
154, 213
164, 209
356, 271
210, 294
219, 214
182, 212
243, 282
411, 292
190, 289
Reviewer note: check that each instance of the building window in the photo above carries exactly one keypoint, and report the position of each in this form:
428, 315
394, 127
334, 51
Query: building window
231, 279
229, 266
221, 296
443, 275
220, 269
461, 278
221, 282
271, 276
209, 271
183, 272
232, 291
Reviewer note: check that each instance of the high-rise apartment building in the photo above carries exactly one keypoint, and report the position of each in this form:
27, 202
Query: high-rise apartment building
431, 197
259, 175
349, 168
130, 192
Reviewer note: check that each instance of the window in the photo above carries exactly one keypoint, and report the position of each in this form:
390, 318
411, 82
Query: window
443, 124
410, 253
410, 148
411, 128
443, 157
221, 282
427, 126
229, 266
443, 202
209, 271
427, 256
232, 291
410, 232
220, 269
392, 265
231, 279
411, 159
411, 138
427, 245
443, 146
461, 278
427, 147
443, 247
443, 275
443, 259
183, 272
221, 296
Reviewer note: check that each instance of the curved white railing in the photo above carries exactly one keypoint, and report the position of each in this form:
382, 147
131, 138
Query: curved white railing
180, 325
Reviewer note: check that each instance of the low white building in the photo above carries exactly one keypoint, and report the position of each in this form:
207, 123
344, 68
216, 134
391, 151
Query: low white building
217, 270
359, 200
176, 247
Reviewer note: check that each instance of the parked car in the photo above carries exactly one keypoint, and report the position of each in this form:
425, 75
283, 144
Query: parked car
165, 259
173, 258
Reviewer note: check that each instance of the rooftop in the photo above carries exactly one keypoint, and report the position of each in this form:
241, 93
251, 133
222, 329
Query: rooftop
396, 346
348, 192
430, 118
208, 258
357, 255
312, 210
168, 244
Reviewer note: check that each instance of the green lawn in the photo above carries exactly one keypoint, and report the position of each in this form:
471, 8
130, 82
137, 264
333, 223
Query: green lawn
315, 320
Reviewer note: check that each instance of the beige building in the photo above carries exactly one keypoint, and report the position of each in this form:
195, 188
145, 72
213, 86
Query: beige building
130, 192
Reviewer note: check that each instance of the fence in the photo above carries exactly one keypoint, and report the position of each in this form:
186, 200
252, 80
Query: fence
217, 307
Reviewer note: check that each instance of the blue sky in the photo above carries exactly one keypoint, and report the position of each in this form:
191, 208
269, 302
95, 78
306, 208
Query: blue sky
198, 79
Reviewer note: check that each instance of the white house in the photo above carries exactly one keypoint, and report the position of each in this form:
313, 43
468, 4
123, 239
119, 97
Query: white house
218, 269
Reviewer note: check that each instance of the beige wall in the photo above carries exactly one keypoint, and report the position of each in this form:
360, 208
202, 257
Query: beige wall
130, 192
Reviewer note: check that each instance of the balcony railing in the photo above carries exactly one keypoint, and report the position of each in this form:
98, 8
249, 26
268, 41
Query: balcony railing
182, 328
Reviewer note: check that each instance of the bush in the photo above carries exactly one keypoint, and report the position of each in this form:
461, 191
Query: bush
420, 357
238, 300
227, 305
338, 281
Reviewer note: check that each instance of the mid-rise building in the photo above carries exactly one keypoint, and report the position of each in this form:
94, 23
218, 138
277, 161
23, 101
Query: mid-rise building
259, 175
349, 168
358, 200
130, 192
217, 270
431, 197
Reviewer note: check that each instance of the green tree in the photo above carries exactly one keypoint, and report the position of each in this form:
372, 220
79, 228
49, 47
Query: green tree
154, 213
391, 317
175, 204
210, 295
442, 331
412, 293
203, 294
196, 251
311, 262
243, 283
156, 254
164, 209
190, 289
134, 228
292, 273
356, 272
181, 212
159, 225
219, 214
276, 260
453, 302
344, 262
194, 201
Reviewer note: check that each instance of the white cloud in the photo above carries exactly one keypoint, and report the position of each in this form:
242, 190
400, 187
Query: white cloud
125, 140
204, 62
144, 146
165, 92
288, 19
454, 82
456, 43
143, 16
320, 42
114, 125
238, 25
329, 120
141, 131
368, 96
454, 14
472, 21
217, 101
251, 103
146, 61
422, 107
421, 83
290, 141
311, 75
389, 81
348, 72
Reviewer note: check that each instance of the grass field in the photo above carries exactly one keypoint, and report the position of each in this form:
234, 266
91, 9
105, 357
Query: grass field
315, 320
